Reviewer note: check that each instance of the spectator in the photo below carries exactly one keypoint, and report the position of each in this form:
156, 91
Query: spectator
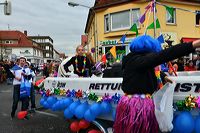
190, 66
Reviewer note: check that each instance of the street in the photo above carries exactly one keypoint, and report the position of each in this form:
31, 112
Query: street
43, 121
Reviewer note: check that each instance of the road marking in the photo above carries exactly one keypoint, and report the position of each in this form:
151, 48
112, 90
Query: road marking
45, 113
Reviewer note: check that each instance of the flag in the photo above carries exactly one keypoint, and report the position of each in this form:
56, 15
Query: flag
123, 39
151, 26
170, 10
142, 18
134, 29
103, 59
113, 51
161, 39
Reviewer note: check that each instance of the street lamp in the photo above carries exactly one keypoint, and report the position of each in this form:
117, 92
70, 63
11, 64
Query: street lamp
73, 4
7, 11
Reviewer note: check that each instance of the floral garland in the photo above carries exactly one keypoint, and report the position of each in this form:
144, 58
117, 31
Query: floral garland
87, 95
189, 103
84, 64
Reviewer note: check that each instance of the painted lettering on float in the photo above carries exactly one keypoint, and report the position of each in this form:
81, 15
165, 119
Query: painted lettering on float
186, 87
105, 86
61, 85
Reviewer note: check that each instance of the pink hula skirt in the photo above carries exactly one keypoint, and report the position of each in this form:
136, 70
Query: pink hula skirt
135, 115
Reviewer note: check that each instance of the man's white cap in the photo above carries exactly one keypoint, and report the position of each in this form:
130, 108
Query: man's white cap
22, 57
28, 63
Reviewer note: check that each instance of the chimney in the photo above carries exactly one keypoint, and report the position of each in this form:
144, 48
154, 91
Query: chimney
25, 32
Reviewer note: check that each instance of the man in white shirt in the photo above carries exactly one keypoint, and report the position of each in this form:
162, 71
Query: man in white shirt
18, 75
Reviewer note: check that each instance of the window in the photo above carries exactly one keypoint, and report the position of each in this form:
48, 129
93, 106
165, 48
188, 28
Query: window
8, 42
47, 54
47, 47
197, 17
120, 20
107, 22
136, 16
171, 19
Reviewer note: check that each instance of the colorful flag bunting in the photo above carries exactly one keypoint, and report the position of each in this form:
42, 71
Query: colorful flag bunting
151, 26
123, 39
113, 51
103, 59
134, 29
161, 39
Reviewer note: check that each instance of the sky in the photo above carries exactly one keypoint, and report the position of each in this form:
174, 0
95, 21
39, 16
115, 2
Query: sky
54, 18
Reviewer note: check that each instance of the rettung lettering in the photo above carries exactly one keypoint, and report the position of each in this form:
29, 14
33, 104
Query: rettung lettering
105, 86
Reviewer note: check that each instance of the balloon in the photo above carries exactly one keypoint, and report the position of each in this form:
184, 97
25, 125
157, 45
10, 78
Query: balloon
67, 102
42, 100
83, 124
51, 100
89, 116
21, 114
54, 107
68, 114
106, 107
46, 105
184, 123
94, 131
95, 109
197, 125
73, 106
114, 114
81, 109
74, 126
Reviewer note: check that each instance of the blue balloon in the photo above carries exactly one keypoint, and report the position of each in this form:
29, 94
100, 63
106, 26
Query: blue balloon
51, 100
46, 105
89, 116
54, 107
42, 100
197, 125
67, 102
106, 107
114, 114
81, 109
184, 123
73, 106
95, 109
68, 114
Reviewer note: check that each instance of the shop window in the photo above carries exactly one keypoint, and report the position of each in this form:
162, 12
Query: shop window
197, 17
171, 19
47, 54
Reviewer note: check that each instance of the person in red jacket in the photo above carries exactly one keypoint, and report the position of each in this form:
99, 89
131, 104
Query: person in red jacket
135, 110
190, 66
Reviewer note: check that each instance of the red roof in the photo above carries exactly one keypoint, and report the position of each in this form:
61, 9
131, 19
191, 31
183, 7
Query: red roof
21, 38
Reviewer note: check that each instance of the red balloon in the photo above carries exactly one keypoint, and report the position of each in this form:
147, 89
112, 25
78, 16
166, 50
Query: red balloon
74, 126
94, 131
83, 124
21, 114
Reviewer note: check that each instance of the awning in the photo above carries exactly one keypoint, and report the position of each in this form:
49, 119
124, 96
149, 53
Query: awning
187, 39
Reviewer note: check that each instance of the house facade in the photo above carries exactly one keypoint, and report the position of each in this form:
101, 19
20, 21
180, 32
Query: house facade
109, 20
14, 44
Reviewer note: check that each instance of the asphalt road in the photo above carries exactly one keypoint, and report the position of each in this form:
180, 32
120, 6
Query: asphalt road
43, 121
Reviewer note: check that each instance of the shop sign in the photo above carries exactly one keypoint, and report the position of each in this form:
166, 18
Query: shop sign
25, 52
114, 42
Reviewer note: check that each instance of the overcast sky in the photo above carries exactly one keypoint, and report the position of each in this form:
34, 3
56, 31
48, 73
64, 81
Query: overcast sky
53, 18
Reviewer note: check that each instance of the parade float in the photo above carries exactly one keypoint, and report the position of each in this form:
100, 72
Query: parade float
90, 103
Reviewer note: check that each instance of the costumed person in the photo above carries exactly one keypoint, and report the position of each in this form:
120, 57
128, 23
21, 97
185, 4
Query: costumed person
17, 71
135, 110
81, 64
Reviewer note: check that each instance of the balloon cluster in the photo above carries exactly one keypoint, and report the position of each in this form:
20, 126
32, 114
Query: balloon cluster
185, 123
188, 104
76, 108
82, 95
76, 126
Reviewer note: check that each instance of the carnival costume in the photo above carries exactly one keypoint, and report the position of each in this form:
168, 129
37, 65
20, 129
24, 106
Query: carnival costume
81, 64
135, 110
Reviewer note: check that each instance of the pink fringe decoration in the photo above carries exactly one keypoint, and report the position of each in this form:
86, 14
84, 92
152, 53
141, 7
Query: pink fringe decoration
135, 115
